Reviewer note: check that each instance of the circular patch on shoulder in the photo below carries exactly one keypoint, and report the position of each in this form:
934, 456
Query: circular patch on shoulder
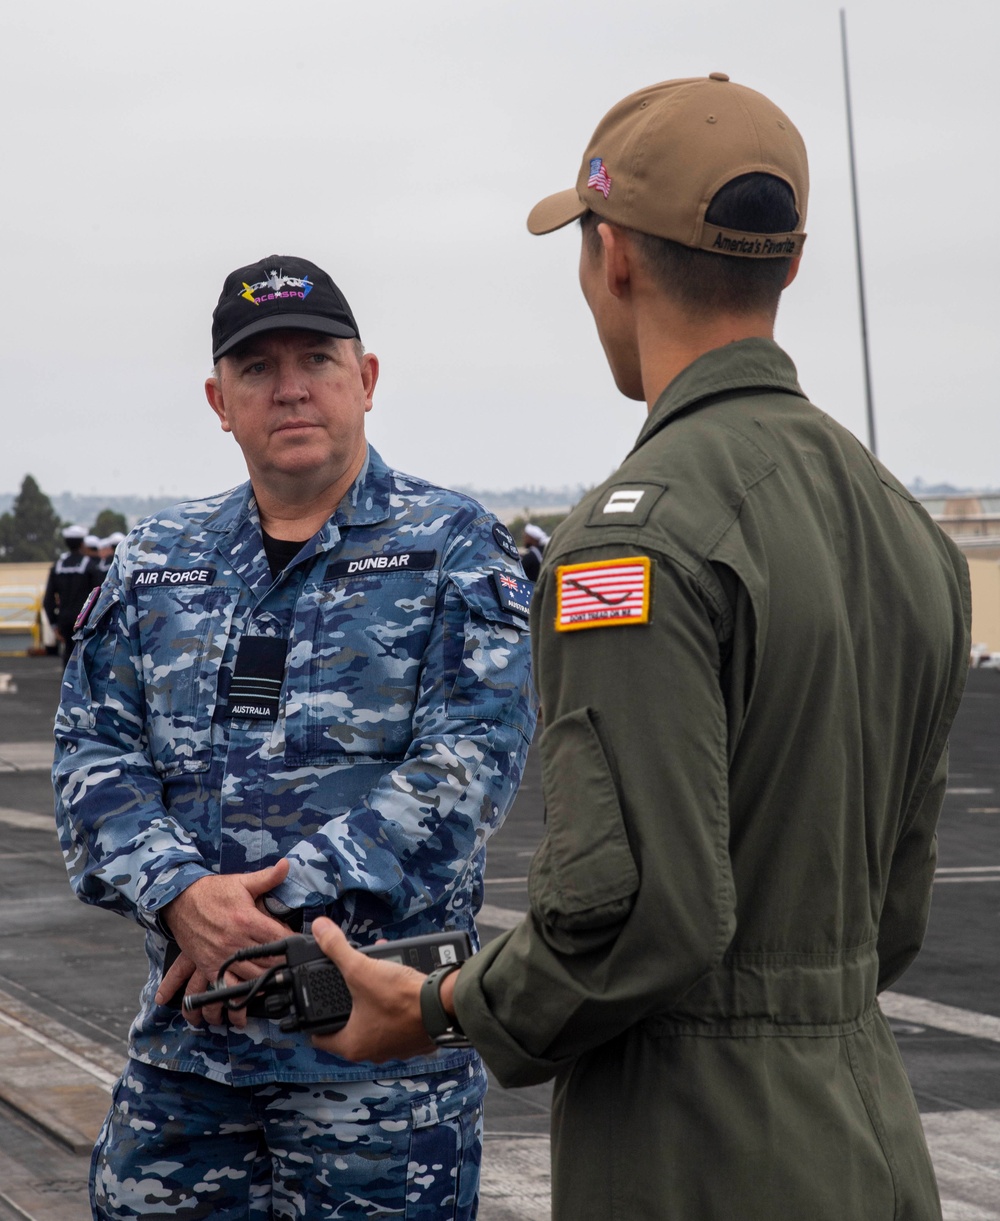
505, 541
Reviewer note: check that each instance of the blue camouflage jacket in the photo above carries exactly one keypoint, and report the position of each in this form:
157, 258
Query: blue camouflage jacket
373, 731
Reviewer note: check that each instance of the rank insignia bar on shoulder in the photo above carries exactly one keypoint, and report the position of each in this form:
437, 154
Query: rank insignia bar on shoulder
605, 593
623, 501
626, 505
513, 593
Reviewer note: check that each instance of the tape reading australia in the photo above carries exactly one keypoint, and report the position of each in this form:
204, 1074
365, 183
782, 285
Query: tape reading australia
255, 690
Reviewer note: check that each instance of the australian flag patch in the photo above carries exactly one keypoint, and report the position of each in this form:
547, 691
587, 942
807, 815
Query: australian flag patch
514, 593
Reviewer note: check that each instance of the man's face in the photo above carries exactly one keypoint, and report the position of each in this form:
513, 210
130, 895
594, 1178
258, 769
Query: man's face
295, 401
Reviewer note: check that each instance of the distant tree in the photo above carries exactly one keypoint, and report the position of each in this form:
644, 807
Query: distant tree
108, 521
32, 529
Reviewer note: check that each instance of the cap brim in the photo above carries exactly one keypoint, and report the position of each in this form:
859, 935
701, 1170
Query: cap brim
555, 211
288, 322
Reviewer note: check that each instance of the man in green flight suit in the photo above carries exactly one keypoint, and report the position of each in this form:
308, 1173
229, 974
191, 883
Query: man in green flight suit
750, 645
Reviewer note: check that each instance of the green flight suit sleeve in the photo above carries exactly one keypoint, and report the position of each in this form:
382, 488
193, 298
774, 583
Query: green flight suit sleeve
911, 877
631, 892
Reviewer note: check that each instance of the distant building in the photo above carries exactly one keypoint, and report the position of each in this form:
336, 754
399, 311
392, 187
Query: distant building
972, 519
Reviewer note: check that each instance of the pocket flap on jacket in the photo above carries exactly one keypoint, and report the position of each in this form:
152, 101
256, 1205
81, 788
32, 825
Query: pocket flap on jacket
584, 875
483, 600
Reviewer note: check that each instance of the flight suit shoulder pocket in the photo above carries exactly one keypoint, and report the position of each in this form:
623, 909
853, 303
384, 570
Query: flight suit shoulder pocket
584, 876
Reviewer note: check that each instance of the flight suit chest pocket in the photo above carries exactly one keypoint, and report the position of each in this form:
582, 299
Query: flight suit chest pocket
354, 663
183, 634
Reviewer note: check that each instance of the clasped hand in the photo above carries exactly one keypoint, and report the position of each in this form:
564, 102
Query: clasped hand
212, 919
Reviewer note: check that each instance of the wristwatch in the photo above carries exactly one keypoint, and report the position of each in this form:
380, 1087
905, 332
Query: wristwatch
443, 1029
292, 916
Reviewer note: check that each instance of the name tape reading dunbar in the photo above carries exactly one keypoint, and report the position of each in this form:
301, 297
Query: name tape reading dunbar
410, 561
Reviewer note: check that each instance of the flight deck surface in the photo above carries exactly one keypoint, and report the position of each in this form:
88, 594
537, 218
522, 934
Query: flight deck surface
70, 977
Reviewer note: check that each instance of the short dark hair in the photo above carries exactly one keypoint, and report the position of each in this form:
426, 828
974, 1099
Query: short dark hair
707, 283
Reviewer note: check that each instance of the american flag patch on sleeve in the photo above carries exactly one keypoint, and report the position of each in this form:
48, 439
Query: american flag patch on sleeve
605, 593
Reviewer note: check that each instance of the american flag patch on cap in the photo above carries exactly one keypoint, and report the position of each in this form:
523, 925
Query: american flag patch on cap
603, 593
599, 179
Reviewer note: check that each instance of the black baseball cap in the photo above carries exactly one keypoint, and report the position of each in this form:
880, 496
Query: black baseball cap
277, 292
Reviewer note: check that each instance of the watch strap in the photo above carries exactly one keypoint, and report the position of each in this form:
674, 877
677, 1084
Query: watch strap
443, 1029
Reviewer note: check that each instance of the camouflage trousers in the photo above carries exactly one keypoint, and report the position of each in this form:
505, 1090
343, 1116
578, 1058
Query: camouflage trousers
179, 1145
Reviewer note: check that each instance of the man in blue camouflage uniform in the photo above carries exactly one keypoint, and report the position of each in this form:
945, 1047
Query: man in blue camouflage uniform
307, 696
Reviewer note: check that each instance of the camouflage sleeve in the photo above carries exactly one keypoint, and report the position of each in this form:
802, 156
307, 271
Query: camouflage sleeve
122, 850
410, 844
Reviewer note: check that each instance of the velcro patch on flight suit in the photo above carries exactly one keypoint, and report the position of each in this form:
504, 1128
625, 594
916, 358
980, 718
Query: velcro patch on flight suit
605, 593
626, 504
255, 690
514, 594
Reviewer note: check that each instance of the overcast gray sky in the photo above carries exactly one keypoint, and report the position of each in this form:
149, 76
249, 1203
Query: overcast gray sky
150, 149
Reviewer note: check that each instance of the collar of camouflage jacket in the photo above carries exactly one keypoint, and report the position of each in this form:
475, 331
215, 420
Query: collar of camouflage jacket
237, 523
365, 504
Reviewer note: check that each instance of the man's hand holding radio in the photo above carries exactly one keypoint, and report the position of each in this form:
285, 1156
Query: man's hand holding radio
385, 1023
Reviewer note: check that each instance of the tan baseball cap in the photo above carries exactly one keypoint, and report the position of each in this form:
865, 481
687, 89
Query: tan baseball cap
658, 158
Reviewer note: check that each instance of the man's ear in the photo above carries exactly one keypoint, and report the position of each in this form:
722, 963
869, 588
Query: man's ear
793, 271
369, 376
213, 392
617, 252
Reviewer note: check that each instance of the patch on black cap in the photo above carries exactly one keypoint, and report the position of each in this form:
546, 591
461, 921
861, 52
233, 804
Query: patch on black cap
279, 291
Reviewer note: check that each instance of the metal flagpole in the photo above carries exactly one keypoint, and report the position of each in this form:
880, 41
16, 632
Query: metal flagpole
857, 240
